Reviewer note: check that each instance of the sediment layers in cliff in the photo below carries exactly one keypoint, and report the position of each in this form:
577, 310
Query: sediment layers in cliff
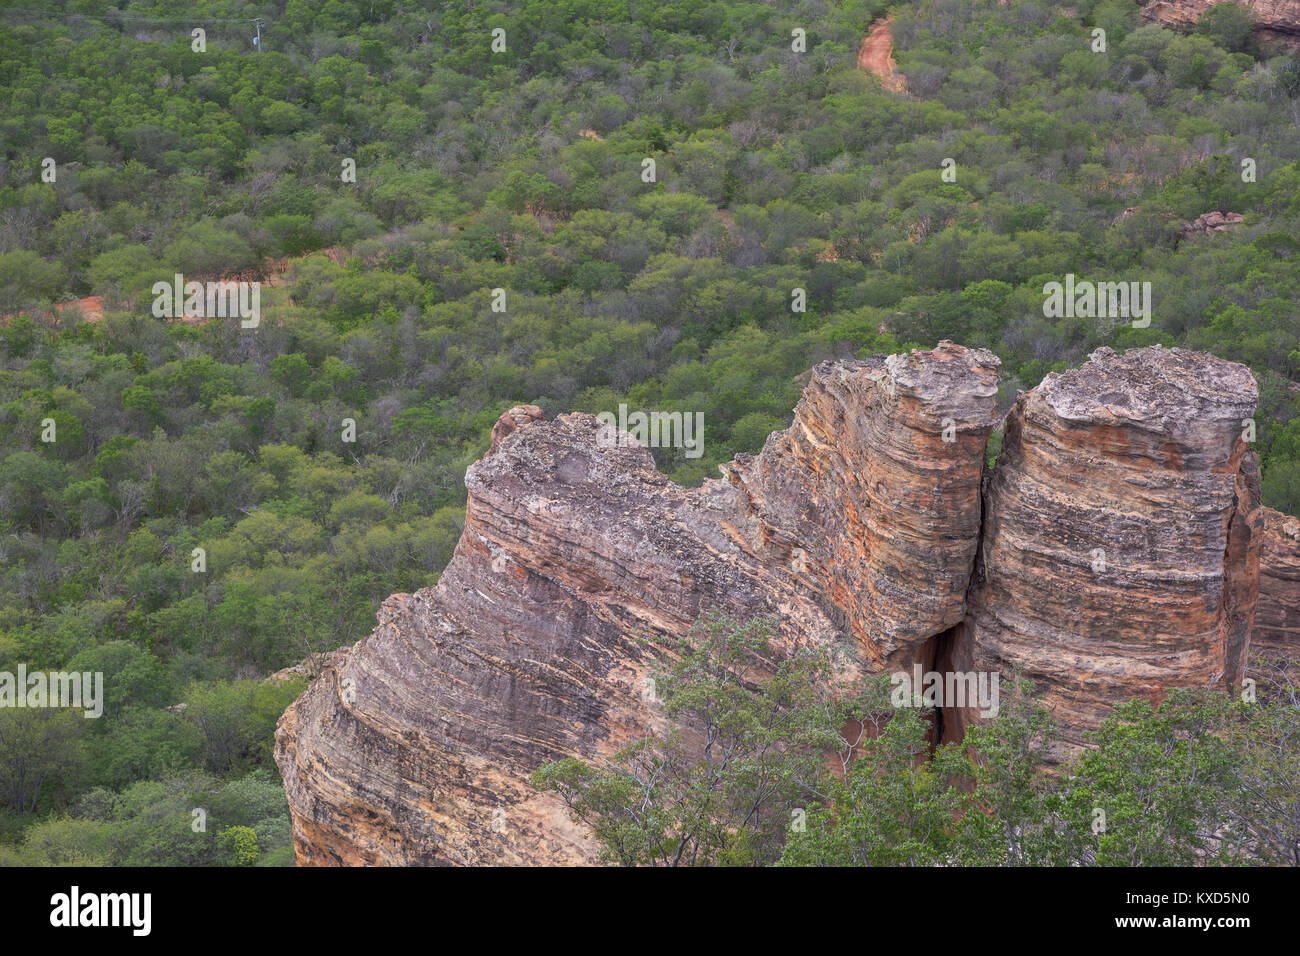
579, 559
873, 494
1120, 555
1113, 552
1276, 634
1275, 20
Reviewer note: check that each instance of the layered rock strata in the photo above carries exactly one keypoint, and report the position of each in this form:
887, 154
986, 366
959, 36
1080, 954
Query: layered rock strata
873, 495
1277, 616
1114, 552
579, 560
1120, 554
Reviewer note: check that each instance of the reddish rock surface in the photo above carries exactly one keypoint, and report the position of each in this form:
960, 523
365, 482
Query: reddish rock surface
878, 482
1121, 546
1277, 616
578, 559
309, 668
1114, 552
1275, 20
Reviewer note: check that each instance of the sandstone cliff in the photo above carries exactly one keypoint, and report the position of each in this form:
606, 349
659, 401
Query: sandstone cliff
578, 558
1113, 552
1121, 544
1277, 617
1275, 20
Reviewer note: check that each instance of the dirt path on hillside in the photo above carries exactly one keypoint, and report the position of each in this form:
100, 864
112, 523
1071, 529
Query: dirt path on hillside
92, 310
877, 55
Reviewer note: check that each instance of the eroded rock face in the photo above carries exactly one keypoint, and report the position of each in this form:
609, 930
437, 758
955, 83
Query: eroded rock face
873, 494
1114, 552
1121, 540
1277, 616
579, 559
1275, 20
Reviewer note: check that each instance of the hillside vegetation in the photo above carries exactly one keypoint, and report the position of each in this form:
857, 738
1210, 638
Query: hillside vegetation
524, 170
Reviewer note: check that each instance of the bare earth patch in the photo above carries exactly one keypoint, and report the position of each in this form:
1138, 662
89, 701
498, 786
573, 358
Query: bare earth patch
877, 56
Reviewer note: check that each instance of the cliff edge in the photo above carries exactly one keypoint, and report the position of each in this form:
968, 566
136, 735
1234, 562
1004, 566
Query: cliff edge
1114, 551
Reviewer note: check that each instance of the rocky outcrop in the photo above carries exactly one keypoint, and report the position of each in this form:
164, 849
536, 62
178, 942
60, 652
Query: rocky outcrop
873, 495
1206, 224
308, 668
1121, 539
579, 560
1275, 20
1113, 552
1210, 222
1277, 616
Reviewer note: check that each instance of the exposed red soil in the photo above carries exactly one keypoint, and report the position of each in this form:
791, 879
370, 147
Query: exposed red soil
877, 55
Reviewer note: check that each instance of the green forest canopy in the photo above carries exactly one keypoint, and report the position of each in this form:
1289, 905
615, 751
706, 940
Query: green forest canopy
522, 170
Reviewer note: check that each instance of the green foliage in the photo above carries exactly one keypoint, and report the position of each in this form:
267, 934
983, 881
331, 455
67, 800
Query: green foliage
1197, 780
42, 756
241, 845
1161, 777
192, 820
718, 790
898, 804
1230, 25
236, 721
522, 171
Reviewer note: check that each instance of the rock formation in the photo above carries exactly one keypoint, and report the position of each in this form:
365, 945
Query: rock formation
1210, 222
1121, 545
579, 558
1275, 20
1277, 616
873, 495
1113, 552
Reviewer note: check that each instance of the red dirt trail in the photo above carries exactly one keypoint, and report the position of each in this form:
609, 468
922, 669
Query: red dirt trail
877, 55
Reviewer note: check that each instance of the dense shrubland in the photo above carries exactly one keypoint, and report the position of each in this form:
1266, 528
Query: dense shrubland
521, 170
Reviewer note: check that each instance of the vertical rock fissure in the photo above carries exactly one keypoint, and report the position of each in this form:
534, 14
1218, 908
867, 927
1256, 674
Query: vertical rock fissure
948, 650
1241, 555
939, 662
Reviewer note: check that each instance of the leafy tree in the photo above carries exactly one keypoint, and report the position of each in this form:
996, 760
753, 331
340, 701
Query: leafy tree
893, 808
237, 721
1267, 805
719, 788
1230, 25
240, 843
41, 755
1162, 777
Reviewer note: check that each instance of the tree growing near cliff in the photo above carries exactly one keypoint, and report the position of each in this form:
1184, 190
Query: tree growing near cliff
1230, 25
1016, 819
745, 774
1165, 779
986, 802
740, 763
1266, 807
899, 805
